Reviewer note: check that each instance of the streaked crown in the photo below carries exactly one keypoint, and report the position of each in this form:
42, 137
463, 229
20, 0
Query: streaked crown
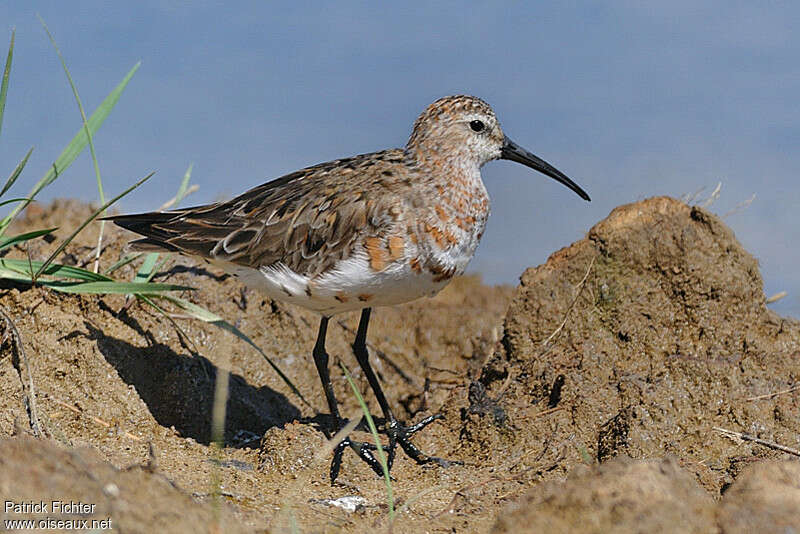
460, 127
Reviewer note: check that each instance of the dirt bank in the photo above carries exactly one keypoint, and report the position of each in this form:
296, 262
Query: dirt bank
634, 342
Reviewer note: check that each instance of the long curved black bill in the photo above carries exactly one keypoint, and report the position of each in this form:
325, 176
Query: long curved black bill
512, 151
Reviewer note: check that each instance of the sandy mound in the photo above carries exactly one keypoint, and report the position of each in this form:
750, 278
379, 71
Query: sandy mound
624, 495
665, 336
135, 499
635, 341
764, 498
618, 496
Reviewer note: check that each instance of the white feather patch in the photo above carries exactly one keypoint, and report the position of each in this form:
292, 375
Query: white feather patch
350, 285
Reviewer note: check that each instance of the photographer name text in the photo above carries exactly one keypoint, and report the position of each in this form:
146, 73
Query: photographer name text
48, 507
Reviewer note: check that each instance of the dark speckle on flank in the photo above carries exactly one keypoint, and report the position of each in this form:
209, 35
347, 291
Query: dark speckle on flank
388, 173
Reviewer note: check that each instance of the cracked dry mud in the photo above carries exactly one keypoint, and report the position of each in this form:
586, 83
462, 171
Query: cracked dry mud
583, 400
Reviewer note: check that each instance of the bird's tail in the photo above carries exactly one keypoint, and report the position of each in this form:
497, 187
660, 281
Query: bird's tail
149, 225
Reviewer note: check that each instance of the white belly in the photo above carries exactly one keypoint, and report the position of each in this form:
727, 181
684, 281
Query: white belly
351, 285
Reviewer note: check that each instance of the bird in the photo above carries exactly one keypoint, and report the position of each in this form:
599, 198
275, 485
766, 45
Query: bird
376, 229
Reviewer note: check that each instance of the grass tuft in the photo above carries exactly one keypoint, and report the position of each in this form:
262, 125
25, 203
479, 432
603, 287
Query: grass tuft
74, 147
71, 279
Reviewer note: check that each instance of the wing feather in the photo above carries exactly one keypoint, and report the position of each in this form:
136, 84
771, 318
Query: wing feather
306, 220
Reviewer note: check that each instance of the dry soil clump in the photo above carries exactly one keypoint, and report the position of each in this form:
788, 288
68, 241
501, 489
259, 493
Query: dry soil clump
632, 343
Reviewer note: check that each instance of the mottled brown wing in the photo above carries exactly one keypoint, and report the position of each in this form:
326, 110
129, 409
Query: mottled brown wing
307, 220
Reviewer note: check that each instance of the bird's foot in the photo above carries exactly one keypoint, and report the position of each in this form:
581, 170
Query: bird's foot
401, 435
364, 451
398, 435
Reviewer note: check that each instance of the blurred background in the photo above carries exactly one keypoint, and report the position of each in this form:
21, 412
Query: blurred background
630, 99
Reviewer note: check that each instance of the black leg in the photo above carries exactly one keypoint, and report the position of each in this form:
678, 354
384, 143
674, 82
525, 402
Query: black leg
321, 361
397, 433
363, 449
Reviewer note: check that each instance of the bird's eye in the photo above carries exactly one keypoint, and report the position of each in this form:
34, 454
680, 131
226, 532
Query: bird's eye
477, 126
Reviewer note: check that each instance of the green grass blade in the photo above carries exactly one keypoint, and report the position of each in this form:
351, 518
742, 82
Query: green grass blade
150, 267
119, 288
183, 190
16, 173
184, 185
198, 312
87, 221
11, 179
12, 268
83, 281
294, 528
13, 274
374, 431
6, 76
158, 267
77, 144
80, 108
69, 271
122, 262
89, 140
11, 201
11, 241
146, 269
